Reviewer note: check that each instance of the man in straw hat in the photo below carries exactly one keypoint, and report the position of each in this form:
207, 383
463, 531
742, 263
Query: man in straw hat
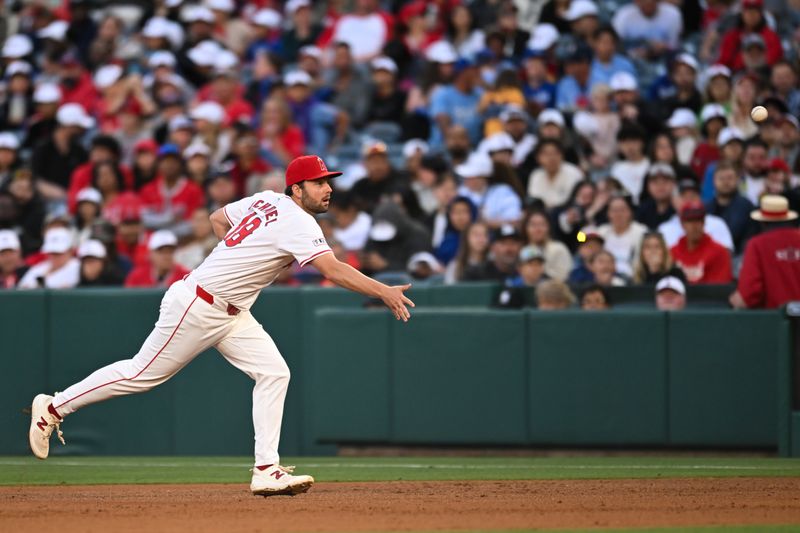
770, 275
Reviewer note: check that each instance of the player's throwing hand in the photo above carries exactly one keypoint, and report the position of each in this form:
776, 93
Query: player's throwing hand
395, 300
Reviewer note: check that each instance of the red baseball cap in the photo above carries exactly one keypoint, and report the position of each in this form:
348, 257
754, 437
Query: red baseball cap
306, 168
693, 211
778, 164
754, 4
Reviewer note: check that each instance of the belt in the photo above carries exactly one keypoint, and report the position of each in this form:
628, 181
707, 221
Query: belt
209, 298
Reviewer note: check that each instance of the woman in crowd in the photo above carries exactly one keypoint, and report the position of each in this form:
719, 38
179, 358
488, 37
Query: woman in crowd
743, 99
654, 260
462, 32
557, 259
281, 140
622, 234
585, 207
460, 214
109, 180
473, 254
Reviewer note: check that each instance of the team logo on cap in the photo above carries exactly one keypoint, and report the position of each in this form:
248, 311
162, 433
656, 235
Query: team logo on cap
322, 166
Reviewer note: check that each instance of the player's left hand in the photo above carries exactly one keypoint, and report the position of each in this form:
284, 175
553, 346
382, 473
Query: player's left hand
396, 301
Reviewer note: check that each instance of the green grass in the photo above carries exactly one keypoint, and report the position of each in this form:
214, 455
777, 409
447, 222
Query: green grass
101, 470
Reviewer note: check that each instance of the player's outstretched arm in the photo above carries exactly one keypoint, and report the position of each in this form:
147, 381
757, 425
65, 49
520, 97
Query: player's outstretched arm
220, 223
348, 277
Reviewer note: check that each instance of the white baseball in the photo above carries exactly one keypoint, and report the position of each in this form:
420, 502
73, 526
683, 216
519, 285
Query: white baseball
759, 113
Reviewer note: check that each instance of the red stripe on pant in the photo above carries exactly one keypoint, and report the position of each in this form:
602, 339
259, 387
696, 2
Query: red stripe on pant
142, 370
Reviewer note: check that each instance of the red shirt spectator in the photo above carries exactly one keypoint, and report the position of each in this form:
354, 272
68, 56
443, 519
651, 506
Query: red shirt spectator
121, 206
161, 270
770, 275
751, 21
82, 178
705, 154
697, 254
145, 276
80, 90
181, 198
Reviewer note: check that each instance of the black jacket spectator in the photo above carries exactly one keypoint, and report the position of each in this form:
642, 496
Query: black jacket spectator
649, 215
737, 217
51, 164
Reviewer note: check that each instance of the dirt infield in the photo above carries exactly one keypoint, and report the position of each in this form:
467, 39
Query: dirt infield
404, 506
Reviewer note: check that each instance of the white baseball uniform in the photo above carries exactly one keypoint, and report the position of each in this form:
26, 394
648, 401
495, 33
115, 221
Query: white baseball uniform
210, 307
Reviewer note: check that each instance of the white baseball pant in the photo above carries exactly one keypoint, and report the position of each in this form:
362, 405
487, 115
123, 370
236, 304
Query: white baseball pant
187, 325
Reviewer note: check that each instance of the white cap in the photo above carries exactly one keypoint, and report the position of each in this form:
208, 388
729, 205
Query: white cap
513, 111
682, 118
57, 241
551, 116
727, 135
221, 5
382, 231
9, 141
161, 238
269, 18
689, 61
585, 124
8, 240
543, 37
297, 77
74, 115
204, 53
225, 61
89, 194
293, 5
498, 142
179, 122
17, 45
156, 27
107, 75
92, 248
477, 165
412, 146
310, 50
196, 148
18, 67
209, 111
197, 14
718, 70
671, 283
580, 8
47, 93
623, 81
441, 52
384, 63
56, 30
172, 3
712, 111
161, 58
424, 258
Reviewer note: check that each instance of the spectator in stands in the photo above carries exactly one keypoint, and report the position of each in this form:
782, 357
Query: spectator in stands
473, 252
42, 122
683, 128
557, 259
196, 157
770, 274
731, 206
654, 260
54, 160
144, 163
365, 31
60, 270
584, 208
589, 244
303, 31
468, 39
718, 86
94, 269
714, 120
681, 90
28, 210
503, 255
670, 294
572, 91
456, 104
220, 190
783, 81
553, 295
191, 253
104, 149
461, 213
731, 146
17, 104
424, 176
715, 227
531, 268
323, 125
350, 89
657, 207
12, 268
632, 108
555, 178
701, 259
281, 139
393, 239
595, 298
457, 145
352, 225
386, 109
632, 169
607, 61
209, 118
162, 270
622, 234
778, 179
381, 178
754, 169
89, 205
743, 99
602, 266
751, 22
649, 28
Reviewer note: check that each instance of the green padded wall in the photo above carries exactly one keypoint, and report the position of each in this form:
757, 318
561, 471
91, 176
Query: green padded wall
597, 378
459, 376
723, 378
470, 294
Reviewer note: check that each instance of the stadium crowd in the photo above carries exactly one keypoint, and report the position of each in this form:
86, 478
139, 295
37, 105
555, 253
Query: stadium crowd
566, 145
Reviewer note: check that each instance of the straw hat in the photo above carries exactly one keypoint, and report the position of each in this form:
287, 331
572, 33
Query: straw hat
773, 208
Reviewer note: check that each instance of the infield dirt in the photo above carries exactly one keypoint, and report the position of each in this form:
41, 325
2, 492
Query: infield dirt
403, 506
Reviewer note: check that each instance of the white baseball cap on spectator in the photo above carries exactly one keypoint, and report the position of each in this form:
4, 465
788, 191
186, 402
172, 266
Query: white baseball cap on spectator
204, 53
384, 63
441, 52
226, 6
197, 14
585, 124
682, 118
543, 37
513, 112
268, 18
73, 115
689, 61
18, 67
423, 258
671, 283
477, 165
8, 240
498, 142
727, 135
161, 58
180, 122
57, 241
712, 111
310, 50
297, 77
92, 248
47, 93
8, 141
382, 231
579, 9
412, 146
623, 81
208, 111
162, 238
718, 70
107, 75
196, 148
89, 194
551, 116
17, 46
172, 3
56, 30
293, 6
156, 28
225, 63
661, 169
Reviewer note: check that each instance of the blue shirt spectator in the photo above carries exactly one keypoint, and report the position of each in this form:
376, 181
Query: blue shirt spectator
457, 104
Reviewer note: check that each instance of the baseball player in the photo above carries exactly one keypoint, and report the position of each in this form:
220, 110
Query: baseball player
261, 236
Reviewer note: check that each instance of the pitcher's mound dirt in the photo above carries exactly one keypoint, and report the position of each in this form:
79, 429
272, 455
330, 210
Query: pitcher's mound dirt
403, 506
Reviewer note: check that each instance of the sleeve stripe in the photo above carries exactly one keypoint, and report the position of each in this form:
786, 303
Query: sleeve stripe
304, 263
225, 212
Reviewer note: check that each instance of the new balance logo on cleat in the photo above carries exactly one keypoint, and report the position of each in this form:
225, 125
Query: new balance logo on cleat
41, 424
277, 474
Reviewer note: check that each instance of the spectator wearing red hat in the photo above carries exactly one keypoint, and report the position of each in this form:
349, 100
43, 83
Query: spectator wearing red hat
770, 274
76, 83
701, 259
751, 22
162, 270
144, 163
778, 179
420, 30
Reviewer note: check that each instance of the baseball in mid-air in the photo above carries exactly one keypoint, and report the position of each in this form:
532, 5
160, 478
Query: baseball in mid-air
759, 113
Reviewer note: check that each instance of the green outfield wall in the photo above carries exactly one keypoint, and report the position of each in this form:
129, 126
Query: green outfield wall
458, 373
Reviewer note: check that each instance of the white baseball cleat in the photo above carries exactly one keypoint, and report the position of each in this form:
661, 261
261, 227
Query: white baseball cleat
44, 419
279, 480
